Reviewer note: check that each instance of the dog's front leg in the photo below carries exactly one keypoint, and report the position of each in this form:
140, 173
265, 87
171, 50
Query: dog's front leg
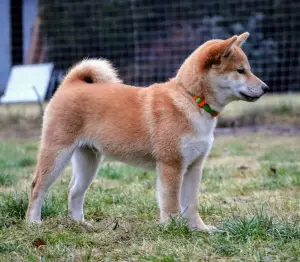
190, 197
169, 181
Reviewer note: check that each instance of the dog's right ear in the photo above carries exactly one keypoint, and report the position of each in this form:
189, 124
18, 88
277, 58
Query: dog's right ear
242, 39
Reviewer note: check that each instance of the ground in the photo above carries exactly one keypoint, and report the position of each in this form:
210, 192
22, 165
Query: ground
250, 191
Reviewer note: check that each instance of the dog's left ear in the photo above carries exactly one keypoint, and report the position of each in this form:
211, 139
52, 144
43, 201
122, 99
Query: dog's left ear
227, 45
242, 39
217, 52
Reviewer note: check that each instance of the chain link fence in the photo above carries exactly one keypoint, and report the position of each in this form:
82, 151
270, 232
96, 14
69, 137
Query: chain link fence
147, 40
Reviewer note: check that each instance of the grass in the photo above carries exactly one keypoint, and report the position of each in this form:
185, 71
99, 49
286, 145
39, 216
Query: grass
7, 179
270, 109
250, 190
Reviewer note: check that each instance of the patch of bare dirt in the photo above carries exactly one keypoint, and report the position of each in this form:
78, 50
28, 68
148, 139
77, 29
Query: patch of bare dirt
272, 128
26, 129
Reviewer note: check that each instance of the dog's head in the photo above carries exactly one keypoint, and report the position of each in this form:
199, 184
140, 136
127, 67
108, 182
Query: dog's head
222, 67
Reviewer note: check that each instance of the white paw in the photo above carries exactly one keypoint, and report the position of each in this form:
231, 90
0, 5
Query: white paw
87, 224
34, 222
213, 229
206, 228
33, 217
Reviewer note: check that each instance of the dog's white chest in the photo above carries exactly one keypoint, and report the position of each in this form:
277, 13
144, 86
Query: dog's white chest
198, 144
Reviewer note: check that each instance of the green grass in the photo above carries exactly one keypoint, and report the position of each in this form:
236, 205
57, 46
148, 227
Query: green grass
250, 190
7, 179
270, 109
277, 155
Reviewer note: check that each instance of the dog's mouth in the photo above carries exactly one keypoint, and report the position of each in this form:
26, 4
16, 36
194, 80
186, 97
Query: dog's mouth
249, 98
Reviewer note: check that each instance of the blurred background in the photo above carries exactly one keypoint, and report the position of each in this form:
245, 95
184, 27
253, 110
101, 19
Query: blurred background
251, 181
147, 40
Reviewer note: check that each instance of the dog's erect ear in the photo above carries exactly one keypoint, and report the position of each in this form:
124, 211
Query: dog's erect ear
217, 52
242, 39
227, 45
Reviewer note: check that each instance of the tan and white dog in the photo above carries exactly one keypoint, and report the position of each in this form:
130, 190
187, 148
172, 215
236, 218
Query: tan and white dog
168, 127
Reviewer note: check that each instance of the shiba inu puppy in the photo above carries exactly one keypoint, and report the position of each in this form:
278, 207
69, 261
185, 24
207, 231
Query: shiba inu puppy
167, 126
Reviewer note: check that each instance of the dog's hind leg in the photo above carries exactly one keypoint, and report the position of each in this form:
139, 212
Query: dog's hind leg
51, 161
85, 161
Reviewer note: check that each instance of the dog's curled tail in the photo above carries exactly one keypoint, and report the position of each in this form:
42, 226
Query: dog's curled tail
92, 71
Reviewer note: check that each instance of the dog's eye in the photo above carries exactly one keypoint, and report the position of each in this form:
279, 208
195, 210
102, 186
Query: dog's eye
241, 71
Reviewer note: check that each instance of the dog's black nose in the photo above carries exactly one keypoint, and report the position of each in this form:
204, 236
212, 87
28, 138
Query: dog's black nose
265, 88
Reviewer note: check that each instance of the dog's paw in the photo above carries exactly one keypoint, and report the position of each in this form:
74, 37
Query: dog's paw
83, 223
205, 228
213, 229
34, 222
87, 224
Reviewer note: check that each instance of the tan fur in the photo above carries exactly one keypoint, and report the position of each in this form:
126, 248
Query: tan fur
156, 127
